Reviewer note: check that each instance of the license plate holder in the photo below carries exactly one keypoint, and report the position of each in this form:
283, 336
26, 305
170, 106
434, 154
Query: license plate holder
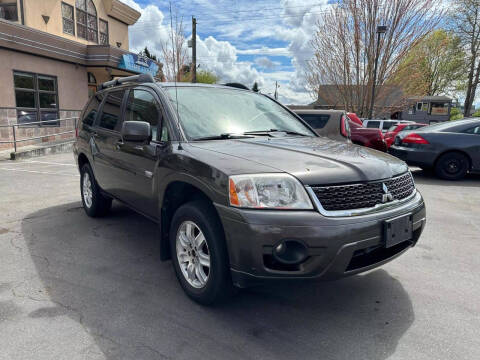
398, 230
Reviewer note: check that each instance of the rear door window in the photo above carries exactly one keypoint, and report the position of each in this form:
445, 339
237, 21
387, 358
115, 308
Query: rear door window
111, 111
387, 125
373, 124
316, 121
142, 106
91, 110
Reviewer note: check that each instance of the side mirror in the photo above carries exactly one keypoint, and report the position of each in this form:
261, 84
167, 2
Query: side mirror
136, 131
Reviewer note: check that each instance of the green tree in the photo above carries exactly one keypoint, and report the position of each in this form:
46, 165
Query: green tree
203, 76
476, 114
206, 77
255, 87
434, 66
455, 114
148, 54
466, 24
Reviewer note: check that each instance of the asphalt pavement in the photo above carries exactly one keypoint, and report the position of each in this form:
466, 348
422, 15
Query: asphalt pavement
73, 287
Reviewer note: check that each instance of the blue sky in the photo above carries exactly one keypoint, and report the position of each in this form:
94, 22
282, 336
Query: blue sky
245, 41
240, 40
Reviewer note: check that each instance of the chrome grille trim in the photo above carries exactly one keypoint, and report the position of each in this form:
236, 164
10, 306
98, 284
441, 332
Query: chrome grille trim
362, 211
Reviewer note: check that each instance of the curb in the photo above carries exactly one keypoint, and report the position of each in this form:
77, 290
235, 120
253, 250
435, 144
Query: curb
47, 150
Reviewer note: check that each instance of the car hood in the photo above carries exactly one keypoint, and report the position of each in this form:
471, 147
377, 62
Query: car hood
313, 160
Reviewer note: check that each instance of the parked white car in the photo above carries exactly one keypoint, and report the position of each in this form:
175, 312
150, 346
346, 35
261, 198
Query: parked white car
383, 125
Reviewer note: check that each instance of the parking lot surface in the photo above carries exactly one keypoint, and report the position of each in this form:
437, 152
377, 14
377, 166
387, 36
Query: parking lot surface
73, 287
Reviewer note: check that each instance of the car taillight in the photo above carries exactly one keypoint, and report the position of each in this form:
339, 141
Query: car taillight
414, 139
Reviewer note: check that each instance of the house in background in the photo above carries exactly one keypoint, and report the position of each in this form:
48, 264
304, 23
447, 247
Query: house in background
426, 109
55, 53
390, 103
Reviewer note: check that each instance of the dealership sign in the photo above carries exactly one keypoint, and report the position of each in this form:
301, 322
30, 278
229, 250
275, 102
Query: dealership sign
139, 64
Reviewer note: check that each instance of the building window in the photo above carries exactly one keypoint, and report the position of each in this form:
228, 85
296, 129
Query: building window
36, 98
86, 13
439, 108
67, 18
8, 10
103, 32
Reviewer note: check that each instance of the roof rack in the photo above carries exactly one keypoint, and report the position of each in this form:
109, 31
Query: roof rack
142, 78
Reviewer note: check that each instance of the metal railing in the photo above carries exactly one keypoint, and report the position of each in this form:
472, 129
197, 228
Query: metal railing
28, 125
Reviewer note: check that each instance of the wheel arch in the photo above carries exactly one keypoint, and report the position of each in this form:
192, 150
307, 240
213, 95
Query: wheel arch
82, 160
175, 194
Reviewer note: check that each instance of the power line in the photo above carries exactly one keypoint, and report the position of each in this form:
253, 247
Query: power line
230, 12
232, 20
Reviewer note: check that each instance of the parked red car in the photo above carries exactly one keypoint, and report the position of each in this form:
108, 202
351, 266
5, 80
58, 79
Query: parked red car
372, 138
394, 130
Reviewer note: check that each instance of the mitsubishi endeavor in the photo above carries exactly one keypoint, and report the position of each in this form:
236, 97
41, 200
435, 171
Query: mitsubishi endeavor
243, 190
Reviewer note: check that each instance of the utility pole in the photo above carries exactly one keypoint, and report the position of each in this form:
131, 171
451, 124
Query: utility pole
194, 50
380, 30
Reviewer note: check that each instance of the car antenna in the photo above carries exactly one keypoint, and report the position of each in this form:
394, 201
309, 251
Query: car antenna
175, 77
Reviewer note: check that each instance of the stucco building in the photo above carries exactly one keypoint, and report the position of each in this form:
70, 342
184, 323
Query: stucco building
54, 53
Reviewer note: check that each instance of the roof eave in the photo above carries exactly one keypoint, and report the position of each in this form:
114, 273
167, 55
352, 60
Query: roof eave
120, 11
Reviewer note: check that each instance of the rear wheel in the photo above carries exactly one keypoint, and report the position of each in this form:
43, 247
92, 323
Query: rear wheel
94, 203
452, 166
199, 253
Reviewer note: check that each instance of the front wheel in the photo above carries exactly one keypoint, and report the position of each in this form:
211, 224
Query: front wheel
452, 166
199, 253
94, 203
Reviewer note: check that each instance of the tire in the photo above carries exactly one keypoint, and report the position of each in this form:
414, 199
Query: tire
190, 261
94, 203
452, 166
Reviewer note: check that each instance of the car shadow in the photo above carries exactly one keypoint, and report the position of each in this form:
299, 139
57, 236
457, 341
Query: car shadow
428, 177
106, 275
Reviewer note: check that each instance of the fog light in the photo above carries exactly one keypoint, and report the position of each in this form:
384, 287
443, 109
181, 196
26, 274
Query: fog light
290, 252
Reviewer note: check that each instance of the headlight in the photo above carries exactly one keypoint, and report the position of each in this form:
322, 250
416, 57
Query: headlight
268, 191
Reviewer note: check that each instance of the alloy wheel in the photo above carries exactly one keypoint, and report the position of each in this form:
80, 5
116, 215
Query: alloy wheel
87, 190
193, 254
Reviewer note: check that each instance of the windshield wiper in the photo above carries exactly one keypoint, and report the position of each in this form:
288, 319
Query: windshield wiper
267, 132
224, 136
260, 132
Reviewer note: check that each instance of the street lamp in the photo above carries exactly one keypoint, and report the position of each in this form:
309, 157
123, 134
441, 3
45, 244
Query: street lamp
381, 29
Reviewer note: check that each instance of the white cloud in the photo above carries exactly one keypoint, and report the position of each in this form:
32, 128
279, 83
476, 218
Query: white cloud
294, 26
132, 4
221, 58
265, 51
266, 63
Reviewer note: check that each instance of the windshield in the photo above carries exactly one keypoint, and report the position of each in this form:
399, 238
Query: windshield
206, 112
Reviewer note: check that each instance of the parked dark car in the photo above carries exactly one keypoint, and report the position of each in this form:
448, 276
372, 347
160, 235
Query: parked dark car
452, 148
395, 129
242, 189
331, 123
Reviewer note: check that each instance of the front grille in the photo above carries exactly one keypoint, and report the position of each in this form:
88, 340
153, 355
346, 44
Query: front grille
363, 195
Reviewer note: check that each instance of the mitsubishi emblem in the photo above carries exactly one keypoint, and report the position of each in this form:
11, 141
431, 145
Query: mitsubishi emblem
387, 195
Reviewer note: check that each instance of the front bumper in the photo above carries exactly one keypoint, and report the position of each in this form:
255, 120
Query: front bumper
336, 246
